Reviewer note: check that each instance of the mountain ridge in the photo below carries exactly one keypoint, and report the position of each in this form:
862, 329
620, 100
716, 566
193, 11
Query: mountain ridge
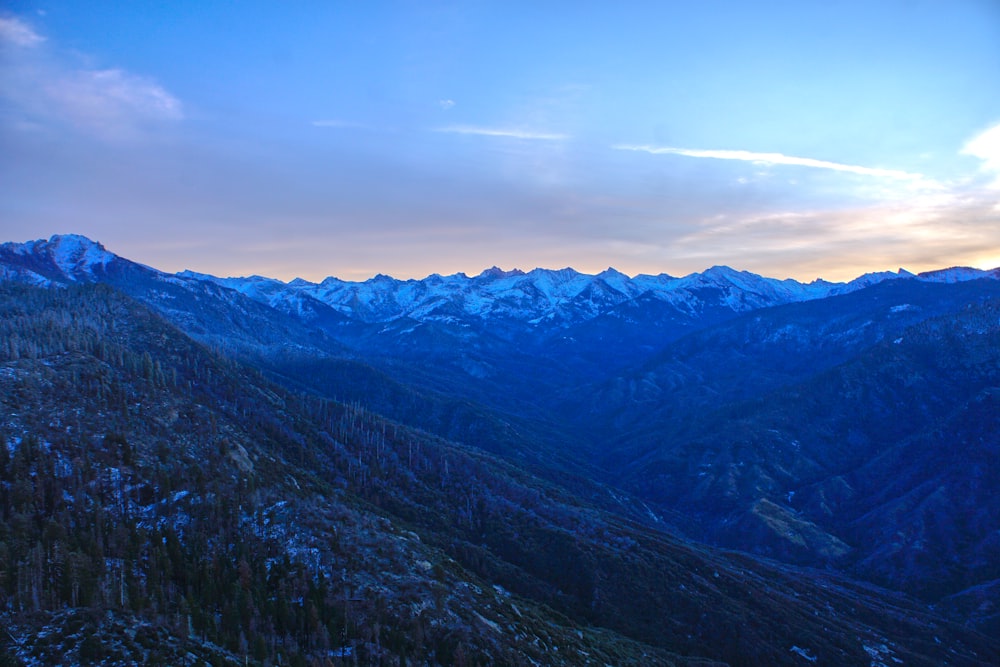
537, 297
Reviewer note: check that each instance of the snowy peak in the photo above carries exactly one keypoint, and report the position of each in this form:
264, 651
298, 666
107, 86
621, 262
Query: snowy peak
496, 272
957, 274
75, 255
720, 272
874, 278
64, 257
542, 296
739, 291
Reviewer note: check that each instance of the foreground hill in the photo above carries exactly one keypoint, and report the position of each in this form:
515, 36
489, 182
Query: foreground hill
162, 503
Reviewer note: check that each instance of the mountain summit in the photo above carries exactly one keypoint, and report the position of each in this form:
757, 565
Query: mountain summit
67, 257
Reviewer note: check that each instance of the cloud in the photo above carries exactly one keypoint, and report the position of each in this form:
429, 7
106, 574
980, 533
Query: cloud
986, 147
333, 122
841, 244
446, 104
503, 132
18, 33
774, 159
49, 89
112, 99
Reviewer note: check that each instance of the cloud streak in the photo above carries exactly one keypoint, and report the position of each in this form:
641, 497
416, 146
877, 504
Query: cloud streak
18, 33
773, 159
335, 123
922, 237
512, 133
112, 98
986, 147
47, 89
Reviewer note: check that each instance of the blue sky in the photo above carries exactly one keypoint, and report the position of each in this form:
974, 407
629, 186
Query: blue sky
309, 139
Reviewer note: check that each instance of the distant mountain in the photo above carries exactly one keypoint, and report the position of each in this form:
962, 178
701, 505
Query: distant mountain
482, 334
540, 298
546, 298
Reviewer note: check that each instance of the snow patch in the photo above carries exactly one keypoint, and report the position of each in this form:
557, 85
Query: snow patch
487, 622
880, 654
804, 653
74, 255
956, 274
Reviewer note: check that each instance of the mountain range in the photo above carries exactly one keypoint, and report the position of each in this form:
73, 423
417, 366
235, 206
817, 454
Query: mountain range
540, 298
650, 470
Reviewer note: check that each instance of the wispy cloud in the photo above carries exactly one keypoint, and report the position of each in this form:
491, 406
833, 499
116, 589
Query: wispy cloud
801, 243
773, 159
513, 133
18, 33
48, 89
112, 98
336, 123
446, 104
986, 147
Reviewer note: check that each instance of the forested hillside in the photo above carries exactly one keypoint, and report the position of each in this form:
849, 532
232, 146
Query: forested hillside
160, 501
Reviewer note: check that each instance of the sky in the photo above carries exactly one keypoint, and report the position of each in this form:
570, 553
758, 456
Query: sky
306, 139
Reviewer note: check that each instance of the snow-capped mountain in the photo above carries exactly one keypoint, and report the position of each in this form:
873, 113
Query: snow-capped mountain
540, 299
553, 297
203, 308
957, 274
63, 258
